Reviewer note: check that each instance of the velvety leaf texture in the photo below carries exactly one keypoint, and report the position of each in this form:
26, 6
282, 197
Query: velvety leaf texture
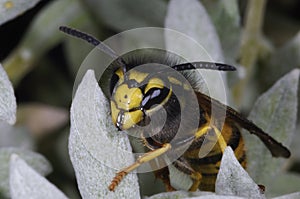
10, 9
25, 182
96, 148
234, 180
196, 40
275, 112
7, 99
36, 161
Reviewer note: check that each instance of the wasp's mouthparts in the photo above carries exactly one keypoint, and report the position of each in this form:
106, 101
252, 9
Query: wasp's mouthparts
119, 126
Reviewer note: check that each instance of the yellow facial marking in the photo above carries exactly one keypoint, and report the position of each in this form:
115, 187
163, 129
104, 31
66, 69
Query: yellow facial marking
120, 74
131, 118
154, 83
137, 76
128, 98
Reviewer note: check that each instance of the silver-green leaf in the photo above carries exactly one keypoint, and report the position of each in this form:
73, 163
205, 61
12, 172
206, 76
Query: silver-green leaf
36, 161
196, 40
191, 195
15, 136
190, 17
275, 112
280, 186
8, 104
10, 9
281, 61
25, 182
295, 147
233, 180
289, 196
226, 18
96, 148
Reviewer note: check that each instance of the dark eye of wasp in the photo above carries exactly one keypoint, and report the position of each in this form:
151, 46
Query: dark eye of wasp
114, 80
154, 96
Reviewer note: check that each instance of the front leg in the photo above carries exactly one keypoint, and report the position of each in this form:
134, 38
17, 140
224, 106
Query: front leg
145, 158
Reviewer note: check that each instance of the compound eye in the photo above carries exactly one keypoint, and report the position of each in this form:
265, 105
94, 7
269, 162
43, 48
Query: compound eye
154, 96
113, 82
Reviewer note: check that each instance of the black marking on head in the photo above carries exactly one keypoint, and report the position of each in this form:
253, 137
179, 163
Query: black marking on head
113, 82
154, 96
147, 56
132, 83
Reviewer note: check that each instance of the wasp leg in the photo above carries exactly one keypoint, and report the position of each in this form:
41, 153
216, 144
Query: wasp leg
163, 174
262, 188
196, 177
207, 137
146, 142
145, 158
182, 165
202, 131
221, 140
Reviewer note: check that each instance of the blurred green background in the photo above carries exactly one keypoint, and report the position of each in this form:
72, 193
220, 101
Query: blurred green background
43, 83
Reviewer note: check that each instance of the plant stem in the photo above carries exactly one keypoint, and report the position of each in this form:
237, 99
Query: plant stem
250, 45
42, 35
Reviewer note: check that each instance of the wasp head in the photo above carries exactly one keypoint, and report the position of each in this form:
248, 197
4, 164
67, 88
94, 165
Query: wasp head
134, 97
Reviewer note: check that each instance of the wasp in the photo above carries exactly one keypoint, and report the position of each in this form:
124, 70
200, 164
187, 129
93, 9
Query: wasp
137, 97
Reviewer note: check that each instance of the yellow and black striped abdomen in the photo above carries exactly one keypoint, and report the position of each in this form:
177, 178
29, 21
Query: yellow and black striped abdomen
208, 164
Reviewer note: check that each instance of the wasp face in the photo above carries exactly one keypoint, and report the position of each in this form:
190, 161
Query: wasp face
133, 98
125, 106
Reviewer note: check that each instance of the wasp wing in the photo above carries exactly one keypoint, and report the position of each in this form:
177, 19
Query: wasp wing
208, 103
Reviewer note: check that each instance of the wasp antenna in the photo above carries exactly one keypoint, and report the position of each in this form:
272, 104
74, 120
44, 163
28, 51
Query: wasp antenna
81, 35
95, 42
204, 65
90, 39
